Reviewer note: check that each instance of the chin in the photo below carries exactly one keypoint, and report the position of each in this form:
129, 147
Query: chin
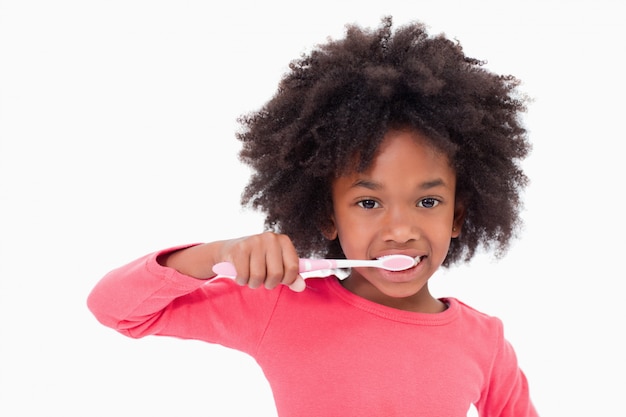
401, 291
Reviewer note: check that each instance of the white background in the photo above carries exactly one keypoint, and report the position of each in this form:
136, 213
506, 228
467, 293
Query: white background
117, 122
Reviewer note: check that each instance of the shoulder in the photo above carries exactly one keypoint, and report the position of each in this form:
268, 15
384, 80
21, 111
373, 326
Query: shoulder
474, 319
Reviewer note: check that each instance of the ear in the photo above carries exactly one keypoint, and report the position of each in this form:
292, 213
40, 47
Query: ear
330, 230
459, 218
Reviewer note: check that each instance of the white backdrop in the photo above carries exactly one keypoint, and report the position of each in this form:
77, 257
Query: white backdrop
117, 122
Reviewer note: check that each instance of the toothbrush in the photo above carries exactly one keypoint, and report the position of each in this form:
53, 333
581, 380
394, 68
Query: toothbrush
389, 262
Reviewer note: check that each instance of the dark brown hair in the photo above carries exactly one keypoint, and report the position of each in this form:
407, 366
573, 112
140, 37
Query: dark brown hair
340, 99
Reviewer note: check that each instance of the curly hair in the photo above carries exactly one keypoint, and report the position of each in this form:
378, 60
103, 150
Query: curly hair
340, 99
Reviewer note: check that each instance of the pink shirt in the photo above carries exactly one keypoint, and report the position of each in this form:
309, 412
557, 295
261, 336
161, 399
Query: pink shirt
326, 351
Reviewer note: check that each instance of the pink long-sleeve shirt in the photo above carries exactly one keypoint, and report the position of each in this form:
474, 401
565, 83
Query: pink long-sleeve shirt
326, 351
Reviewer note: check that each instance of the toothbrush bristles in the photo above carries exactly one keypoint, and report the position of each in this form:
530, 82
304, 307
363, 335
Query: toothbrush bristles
398, 262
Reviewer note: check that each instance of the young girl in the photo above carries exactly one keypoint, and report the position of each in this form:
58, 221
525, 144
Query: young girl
384, 142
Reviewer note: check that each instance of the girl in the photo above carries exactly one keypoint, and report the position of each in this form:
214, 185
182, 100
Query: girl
384, 142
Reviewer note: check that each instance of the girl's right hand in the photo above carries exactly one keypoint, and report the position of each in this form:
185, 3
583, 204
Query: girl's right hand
267, 259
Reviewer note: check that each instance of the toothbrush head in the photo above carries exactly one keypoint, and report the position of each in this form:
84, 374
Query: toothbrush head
398, 262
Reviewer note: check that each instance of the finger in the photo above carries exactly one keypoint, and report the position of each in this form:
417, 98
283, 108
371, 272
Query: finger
242, 266
282, 262
275, 269
291, 262
258, 269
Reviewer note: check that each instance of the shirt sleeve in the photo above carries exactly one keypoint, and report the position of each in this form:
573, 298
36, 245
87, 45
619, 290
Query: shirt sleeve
507, 393
145, 298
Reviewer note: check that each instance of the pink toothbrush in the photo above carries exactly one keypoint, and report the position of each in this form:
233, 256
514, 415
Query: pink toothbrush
389, 262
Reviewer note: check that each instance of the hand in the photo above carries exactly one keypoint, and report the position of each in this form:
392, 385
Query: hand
267, 259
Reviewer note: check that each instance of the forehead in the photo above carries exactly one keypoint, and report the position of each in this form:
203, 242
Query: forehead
405, 160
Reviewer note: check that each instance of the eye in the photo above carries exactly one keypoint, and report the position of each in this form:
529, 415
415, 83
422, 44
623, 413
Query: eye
428, 202
368, 204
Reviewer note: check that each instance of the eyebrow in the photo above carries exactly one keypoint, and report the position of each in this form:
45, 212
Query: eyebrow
374, 186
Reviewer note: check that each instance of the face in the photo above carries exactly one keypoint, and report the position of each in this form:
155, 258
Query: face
403, 204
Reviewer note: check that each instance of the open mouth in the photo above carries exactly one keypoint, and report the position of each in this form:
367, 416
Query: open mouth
398, 262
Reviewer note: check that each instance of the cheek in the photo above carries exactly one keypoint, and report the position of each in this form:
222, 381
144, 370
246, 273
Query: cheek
441, 235
353, 236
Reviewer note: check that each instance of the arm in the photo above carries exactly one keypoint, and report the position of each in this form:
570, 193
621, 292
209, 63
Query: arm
146, 298
131, 298
507, 393
170, 293
267, 259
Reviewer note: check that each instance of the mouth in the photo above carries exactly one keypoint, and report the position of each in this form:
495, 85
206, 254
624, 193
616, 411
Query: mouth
406, 274
399, 261
417, 261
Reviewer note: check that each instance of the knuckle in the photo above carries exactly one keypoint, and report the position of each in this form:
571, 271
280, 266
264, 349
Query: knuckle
255, 282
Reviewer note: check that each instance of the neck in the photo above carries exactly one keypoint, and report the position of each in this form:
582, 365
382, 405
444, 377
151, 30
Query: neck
420, 302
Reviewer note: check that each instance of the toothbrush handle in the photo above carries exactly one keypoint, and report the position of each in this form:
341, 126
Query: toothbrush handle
306, 265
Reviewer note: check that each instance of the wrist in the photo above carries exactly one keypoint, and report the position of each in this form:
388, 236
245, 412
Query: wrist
195, 261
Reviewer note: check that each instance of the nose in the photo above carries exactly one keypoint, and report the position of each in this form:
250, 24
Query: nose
400, 225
